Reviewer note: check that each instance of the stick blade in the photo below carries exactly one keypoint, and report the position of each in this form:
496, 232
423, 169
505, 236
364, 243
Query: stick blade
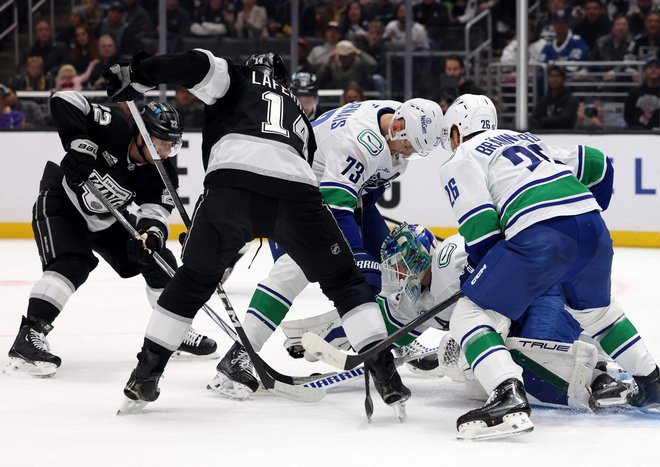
298, 393
325, 352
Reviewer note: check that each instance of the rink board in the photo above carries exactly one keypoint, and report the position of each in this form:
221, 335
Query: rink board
417, 197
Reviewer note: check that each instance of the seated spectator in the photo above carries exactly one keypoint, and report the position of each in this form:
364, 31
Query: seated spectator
558, 109
191, 111
648, 43
68, 79
434, 16
214, 20
590, 115
93, 14
77, 18
636, 15
303, 54
544, 27
10, 117
445, 100
34, 78
534, 49
642, 107
252, 21
454, 80
52, 53
177, 19
613, 47
108, 56
566, 46
85, 49
374, 46
592, 22
395, 31
352, 93
320, 54
352, 24
138, 25
332, 11
280, 19
114, 24
380, 10
347, 64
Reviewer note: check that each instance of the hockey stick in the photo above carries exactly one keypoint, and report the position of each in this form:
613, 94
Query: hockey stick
270, 378
290, 390
316, 345
398, 223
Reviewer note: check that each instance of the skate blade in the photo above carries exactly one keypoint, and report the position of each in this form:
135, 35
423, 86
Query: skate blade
224, 387
400, 411
512, 424
130, 406
18, 366
183, 355
611, 402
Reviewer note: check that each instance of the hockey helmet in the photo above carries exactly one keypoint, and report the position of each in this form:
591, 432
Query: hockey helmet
304, 84
270, 64
407, 254
469, 113
423, 125
162, 122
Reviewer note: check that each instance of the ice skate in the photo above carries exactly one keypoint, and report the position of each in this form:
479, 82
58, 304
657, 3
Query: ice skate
30, 353
418, 359
647, 393
235, 378
142, 386
197, 346
607, 392
388, 383
505, 413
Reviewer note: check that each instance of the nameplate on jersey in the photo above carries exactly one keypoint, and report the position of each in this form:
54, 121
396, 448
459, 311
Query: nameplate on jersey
110, 189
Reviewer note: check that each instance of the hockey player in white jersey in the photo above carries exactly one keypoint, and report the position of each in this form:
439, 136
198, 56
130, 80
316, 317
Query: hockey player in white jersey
528, 224
362, 146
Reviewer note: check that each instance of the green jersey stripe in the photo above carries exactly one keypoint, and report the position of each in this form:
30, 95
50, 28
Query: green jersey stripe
594, 166
338, 198
560, 189
391, 327
480, 225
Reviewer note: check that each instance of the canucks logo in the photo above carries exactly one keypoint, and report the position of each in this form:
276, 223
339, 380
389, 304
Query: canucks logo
371, 141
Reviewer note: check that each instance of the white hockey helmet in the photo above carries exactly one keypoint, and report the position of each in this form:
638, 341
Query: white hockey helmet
470, 113
423, 125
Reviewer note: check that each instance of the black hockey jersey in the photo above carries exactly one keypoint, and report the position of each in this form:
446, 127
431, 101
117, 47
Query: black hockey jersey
119, 178
255, 132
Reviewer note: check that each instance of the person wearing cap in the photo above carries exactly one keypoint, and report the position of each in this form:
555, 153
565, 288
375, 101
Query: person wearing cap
114, 24
566, 46
303, 55
320, 55
592, 22
558, 109
642, 107
347, 64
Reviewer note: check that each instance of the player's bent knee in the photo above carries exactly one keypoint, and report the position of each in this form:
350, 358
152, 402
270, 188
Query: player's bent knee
75, 268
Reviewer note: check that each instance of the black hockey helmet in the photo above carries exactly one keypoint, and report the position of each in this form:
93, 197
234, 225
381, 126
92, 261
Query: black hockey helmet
304, 84
270, 64
162, 121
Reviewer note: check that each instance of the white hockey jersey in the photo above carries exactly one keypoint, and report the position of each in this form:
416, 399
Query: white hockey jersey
352, 156
501, 182
449, 260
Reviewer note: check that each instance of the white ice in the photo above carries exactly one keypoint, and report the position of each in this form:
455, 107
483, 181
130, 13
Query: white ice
70, 420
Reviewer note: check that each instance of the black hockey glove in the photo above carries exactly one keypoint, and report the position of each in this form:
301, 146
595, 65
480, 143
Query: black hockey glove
79, 161
123, 82
141, 249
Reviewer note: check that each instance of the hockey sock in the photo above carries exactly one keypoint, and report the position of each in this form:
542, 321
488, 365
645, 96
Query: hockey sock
167, 329
267, 309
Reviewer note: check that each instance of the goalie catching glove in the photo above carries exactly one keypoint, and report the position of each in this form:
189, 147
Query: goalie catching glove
141, 249
123, 80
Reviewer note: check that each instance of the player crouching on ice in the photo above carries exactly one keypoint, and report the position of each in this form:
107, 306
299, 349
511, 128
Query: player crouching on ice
69, 224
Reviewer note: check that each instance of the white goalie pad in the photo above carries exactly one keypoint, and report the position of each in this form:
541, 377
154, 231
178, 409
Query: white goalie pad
327, 325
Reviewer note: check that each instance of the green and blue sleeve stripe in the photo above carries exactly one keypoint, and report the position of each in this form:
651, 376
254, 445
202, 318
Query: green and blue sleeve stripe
339, 196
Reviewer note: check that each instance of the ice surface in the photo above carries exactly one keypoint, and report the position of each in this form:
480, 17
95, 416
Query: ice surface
70, 419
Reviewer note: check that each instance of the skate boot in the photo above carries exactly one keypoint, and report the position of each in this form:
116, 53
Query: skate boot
388, 382
647, 394
30, 353
142, 386
197, 346
505, 413
607, 392
235, 378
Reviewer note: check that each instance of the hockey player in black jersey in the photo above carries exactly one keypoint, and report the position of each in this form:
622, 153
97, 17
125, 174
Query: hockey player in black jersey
69, 223
257, 150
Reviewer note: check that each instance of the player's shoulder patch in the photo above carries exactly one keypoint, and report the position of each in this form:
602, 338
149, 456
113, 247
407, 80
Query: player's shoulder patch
444, 257
371, 141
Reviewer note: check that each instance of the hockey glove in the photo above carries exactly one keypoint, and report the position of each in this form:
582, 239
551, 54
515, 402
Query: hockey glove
370, 268
123, 81
141, 249
79, 161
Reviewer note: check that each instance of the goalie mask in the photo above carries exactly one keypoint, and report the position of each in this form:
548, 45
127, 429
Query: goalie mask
407, 253
422, 125
164, 126
271, 65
